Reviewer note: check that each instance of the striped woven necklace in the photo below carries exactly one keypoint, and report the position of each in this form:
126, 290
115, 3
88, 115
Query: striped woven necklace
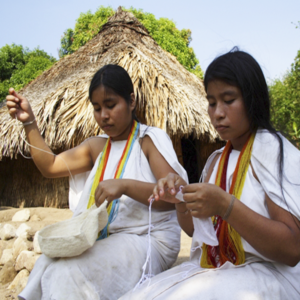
230, 246
113, 206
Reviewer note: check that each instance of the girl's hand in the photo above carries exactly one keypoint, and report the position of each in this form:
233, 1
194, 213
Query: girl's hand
110, 190
167, 188
205, 200
19, 106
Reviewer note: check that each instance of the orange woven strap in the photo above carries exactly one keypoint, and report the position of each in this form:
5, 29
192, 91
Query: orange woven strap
230, 246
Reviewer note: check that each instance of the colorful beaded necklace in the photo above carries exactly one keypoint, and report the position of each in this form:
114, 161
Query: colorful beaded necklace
112, 208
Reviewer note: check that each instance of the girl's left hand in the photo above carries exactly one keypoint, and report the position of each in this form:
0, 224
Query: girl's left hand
167, 188
109, 190
205, 200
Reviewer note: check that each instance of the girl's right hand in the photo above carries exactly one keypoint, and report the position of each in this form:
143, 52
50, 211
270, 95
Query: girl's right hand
18, 106
167, 188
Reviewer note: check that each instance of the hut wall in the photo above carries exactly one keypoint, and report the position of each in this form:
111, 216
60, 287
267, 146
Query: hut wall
195, 154
204, 150
22, 185
177, 147
190, 159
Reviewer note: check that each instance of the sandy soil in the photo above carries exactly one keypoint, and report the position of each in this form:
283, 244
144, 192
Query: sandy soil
46, 216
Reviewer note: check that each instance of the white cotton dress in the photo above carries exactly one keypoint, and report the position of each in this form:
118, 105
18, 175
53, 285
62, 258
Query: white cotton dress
259, 278
113, 265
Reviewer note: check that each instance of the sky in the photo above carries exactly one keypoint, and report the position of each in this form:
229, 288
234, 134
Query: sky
264, 28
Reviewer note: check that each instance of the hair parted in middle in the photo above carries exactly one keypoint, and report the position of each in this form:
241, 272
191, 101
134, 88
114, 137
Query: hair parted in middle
240, 69
115, 78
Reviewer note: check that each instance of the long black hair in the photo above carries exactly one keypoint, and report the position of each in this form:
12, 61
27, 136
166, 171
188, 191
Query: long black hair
115, 78
240, 69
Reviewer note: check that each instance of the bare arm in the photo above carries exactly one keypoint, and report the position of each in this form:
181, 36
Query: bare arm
138, 190
76, 160
277, 238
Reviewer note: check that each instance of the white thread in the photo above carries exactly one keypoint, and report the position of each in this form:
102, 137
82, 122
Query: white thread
27, 157
193, 249
144, 277
182, 275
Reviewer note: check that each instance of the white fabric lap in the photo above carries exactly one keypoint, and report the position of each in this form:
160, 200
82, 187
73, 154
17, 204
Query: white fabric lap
111, 269
187, 281
105, 264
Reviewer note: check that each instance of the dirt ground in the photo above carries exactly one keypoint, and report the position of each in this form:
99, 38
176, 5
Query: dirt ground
46, 216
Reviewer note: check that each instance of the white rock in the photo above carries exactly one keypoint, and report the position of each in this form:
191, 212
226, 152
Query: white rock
7, 256
20, 279
26, 260
21, 216
20, 245
23, 230
7, 232
36, 245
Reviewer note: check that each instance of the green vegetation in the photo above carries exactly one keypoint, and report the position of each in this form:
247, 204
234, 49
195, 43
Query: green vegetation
86, 27
163, 31
285, 97
19, 66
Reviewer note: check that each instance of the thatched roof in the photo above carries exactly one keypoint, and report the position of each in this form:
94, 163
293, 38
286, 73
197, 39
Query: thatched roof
168, 95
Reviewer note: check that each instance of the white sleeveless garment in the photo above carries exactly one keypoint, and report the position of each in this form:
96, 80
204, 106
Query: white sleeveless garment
259, 278
113, 265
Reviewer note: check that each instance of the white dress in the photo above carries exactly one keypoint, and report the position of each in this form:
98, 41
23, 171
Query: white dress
113, 265
259, 278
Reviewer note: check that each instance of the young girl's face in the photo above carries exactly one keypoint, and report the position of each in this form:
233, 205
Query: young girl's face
227, 112
112, 113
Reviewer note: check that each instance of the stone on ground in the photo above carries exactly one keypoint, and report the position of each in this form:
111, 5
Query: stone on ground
21, 216
26, 260
23, 230
7, 232
7, 256
20, 245
20, 280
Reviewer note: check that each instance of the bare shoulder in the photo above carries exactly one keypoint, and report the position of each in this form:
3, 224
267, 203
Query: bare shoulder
211, 167
147, 146
146, 143
94, 145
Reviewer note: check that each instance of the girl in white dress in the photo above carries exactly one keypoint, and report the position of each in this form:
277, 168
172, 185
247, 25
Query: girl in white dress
244, 215
124, 166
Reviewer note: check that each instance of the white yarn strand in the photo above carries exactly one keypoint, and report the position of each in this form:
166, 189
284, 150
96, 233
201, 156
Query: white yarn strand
147, 277
27, 157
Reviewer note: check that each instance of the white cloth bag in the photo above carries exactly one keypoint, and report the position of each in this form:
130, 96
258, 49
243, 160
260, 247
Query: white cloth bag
74, 236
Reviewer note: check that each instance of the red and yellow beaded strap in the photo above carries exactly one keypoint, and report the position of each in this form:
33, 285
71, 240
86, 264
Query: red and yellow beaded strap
230, 246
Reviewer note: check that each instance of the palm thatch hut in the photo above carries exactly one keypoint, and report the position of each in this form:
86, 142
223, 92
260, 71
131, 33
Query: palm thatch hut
168, 97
